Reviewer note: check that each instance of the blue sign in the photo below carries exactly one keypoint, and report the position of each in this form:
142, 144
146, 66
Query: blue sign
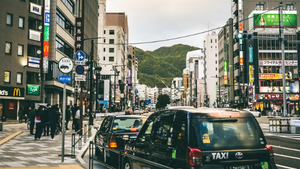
47, 18
79, 69
103, 101
80, 55
250, 54
65, 79
136, 91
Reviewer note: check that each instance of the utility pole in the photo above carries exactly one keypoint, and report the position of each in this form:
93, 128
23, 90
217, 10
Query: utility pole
91, 120
115, 88
281, 39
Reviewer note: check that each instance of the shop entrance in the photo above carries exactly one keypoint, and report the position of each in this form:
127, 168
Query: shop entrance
10, 109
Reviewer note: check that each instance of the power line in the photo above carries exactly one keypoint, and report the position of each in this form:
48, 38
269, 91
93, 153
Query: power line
186, 36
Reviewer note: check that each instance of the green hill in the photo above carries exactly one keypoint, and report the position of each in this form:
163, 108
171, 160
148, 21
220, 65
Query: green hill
164, 64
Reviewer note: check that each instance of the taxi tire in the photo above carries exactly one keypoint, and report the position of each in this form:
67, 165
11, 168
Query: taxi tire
127, 164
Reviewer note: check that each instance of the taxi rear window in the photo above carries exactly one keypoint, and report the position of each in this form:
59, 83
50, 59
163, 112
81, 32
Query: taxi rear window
128, 124
225, 133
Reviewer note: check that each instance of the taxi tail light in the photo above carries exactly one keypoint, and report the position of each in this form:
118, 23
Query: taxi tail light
271, 153
133, 129
113, 142
194, 157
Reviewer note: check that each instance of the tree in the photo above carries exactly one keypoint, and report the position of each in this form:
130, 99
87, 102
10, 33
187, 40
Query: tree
162, 101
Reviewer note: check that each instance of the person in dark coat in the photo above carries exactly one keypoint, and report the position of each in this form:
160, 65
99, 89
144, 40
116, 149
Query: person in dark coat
38, 121
46, 124
31, 116
68, 115
53, 120
73, 115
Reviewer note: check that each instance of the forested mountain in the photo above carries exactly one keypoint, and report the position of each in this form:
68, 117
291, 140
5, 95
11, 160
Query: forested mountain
164, 64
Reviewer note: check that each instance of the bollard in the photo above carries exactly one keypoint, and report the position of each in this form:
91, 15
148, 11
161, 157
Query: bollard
73, 146
79, 143
90, 155
84, 139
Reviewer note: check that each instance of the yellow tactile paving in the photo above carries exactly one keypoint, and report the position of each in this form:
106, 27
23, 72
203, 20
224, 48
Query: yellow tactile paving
59, 167
10, 137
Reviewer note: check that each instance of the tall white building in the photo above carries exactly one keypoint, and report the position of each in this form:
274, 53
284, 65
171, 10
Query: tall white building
211, 67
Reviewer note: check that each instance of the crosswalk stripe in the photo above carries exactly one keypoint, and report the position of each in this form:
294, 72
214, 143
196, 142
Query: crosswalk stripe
281, 155
286, 148
282, 166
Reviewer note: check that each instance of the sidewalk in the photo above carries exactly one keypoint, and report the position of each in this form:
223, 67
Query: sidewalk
19, 149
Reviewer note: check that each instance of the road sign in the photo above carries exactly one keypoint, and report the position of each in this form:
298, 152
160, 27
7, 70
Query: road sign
136, 91
65, 65
65, 79
79, 62
79, 69
80, 78
80, 55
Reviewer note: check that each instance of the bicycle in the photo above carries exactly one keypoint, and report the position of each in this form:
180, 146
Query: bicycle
28, 124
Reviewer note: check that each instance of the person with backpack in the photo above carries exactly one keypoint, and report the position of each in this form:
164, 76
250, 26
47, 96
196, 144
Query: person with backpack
53, 120
31, 116
38, 121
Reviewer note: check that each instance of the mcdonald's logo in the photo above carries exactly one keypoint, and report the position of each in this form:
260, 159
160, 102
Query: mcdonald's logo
17, 92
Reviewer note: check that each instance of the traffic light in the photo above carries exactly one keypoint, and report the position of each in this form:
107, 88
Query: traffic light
243, 36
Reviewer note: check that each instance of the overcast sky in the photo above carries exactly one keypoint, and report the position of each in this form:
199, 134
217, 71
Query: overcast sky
151, 20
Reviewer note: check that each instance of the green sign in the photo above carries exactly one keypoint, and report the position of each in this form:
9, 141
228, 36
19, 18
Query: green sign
271, 20
33, 90
225, 65
173, 153
46, 33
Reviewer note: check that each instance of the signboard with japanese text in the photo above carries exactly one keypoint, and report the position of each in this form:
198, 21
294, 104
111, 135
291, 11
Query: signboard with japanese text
270, 96
292, 97
273, 89
33, 62
46, 35
33, 90
251, 74
34, 35
36, 9
79, 34
270, 19
272, 76
278, 63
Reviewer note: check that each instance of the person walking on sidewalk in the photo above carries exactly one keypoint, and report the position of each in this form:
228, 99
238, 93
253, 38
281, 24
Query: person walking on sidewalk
68, 114
74, 109
53, 120
77, 118
31, 116
46, 124
38, 121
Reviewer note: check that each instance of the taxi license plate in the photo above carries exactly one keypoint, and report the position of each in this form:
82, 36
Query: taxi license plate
240, 167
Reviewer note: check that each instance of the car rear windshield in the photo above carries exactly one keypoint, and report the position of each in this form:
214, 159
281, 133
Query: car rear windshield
128, 124
225, 133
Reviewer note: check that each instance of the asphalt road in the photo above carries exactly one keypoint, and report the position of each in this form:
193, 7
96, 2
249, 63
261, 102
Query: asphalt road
286, 146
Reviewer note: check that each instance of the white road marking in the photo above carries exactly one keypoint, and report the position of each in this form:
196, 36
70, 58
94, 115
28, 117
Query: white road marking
281, 155
284, 136
286, 148
282, 166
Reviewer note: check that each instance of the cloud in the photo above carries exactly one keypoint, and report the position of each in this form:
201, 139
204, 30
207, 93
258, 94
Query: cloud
163, 19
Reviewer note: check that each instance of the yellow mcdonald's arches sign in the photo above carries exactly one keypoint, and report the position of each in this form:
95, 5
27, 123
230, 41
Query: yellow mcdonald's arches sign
17, 92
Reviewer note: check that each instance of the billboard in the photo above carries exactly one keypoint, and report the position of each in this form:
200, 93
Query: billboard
270, 19
272, 76
278, 63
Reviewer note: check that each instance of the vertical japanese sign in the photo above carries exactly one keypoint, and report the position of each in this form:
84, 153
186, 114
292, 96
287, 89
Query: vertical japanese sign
251, 74
79, 34
225, 72
46, 35
240, 15
250, 54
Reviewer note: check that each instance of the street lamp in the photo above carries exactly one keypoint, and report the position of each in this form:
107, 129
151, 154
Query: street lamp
218, 101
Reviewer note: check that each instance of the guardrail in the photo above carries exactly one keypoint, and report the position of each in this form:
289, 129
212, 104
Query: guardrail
82, 133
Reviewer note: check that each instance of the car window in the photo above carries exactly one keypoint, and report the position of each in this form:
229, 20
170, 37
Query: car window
164, 128
128, 124
105, 124
180, 129
145, 133
233, 133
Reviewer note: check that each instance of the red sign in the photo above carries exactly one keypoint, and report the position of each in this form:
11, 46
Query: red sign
46, 49
250, 90
11, 106
273, 96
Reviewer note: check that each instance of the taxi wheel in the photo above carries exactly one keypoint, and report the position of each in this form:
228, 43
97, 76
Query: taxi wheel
127, 164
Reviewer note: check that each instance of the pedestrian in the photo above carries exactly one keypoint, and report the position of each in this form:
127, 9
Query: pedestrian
26, 113
77, 118
45, 118
68, 114
74, 109
53, 120
31, 118
38, 121
21, 114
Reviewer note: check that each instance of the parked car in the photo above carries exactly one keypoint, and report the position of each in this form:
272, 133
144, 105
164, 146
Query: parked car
114, 132
137, 111
200, 138
254, 112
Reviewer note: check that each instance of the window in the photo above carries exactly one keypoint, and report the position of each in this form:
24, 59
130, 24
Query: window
36, 1
104, 40
34, 24
21, 22
19, 78
69, 4
211, 47
215, 40
216, 62
259, 7
289, 7
103, 49
145, 133
9, 19
216, 69
104, 32
104, 58
106, 124
163, 130
34, 51
111, 32
8, 47
20, 50
211, 41
111, 58
65, 23
216, 55
111, 50
6, 76
64, 47
111, 41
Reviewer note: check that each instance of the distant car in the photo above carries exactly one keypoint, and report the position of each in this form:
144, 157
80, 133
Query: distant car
254, 112
137, 111
114, 132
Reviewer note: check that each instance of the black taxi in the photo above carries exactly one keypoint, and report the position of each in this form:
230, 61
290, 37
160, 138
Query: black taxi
200, 138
